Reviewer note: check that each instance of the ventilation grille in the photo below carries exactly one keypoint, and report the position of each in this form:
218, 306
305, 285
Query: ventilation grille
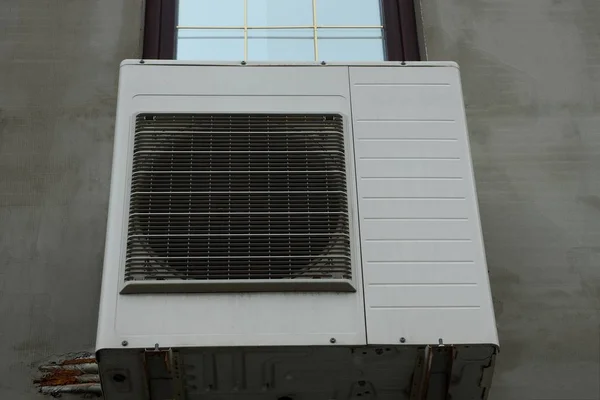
220, 197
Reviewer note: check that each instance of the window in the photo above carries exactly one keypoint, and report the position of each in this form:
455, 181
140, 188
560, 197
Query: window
281, 30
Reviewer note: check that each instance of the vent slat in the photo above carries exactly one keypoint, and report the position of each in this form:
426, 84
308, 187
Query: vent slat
238, 197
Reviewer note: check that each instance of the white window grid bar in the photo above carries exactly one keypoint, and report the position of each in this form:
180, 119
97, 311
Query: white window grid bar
247, 28
241, 27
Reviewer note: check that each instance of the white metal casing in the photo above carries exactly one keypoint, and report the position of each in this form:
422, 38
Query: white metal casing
417, 250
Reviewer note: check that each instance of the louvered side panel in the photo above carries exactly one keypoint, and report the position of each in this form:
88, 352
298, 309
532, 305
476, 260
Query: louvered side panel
424, 268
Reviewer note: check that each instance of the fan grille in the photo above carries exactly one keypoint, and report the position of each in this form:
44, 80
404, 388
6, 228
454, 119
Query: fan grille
238, 197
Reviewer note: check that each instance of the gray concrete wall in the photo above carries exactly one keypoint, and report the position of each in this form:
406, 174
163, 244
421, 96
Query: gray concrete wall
58, 76
531, 71
531, 76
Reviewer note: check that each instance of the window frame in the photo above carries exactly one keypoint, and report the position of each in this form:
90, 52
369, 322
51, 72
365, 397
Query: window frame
399, 25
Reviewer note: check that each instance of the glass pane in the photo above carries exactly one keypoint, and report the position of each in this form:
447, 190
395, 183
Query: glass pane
348, 12
280, 12
358, 33
210, 44
281, 45
350, 45
211, 13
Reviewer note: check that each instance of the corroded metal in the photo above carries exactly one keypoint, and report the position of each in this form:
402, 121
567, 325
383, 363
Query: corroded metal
70, 374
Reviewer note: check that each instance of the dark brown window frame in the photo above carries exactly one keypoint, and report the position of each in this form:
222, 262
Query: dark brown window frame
400, 26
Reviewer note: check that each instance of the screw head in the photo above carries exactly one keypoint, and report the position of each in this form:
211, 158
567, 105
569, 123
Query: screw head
243, 62
332, 340
124, 343
323, 63
402, 340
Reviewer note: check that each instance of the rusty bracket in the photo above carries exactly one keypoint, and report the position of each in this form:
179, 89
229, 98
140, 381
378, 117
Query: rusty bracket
431, 377
163, 374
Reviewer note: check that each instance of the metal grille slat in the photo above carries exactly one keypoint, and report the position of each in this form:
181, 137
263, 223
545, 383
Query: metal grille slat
238, 197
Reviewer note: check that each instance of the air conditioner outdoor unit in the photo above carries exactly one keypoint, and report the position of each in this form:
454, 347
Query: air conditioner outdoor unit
305, 232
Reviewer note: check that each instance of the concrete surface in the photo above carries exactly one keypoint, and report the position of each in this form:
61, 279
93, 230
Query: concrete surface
58, 76
531, 71
531, 76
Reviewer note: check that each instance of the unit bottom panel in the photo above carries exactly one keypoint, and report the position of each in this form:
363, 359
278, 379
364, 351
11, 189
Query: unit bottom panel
300, 373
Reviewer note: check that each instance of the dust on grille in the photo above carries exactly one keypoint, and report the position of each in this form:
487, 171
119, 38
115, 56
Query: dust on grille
238, 197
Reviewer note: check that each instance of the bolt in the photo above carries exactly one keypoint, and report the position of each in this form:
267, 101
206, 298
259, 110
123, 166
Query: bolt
402, 340
323, 63
243, 62
142, 61
124, 343
332, 340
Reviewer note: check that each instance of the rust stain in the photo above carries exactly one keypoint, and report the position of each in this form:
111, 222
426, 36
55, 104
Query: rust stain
76, 361
59, 377
71, 374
